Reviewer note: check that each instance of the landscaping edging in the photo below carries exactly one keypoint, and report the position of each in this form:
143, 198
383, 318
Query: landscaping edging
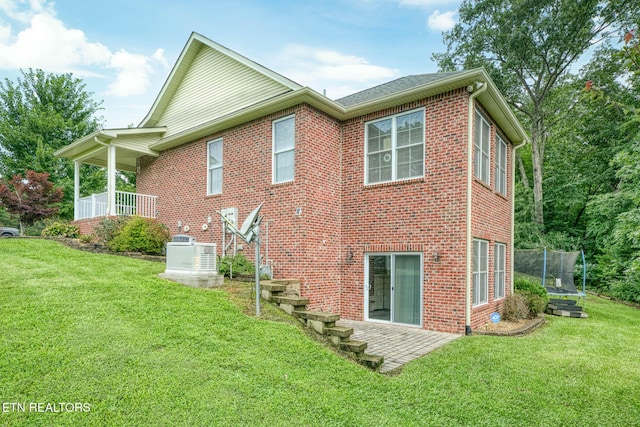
98, 248
523, 330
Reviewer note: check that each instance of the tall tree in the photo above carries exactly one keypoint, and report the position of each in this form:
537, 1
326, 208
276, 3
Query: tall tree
31, 198
40, 113
528, 47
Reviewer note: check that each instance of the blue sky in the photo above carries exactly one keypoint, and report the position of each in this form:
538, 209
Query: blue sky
124, 50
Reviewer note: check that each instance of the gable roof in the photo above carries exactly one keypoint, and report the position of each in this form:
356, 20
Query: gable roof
207, 73
212, 88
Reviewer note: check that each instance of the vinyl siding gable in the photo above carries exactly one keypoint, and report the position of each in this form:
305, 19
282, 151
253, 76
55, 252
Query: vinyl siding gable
215, 85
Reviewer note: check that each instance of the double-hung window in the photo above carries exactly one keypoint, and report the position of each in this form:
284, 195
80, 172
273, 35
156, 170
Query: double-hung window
482, 144
214, 166
498, 270
394, 148
284, 133
480, 272
501, 166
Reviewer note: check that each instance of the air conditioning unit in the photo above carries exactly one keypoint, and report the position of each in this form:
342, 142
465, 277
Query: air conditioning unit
191, 257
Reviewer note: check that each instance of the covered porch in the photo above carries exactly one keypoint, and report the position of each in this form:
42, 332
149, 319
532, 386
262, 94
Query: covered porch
114, 149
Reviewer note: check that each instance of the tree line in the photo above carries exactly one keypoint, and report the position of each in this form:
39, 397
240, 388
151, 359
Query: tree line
577, 182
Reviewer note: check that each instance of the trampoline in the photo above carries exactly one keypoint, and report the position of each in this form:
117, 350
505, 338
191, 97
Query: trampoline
556, 271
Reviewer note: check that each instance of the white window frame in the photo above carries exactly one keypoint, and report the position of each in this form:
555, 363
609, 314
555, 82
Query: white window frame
501, 165
482, 149
211, 168
277, 153
392, 268
480, 293
499, 270
393, 147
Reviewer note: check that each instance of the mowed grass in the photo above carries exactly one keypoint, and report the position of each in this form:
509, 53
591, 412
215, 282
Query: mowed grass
105, 331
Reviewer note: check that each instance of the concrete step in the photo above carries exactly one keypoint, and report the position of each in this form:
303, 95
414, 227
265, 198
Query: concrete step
340, 331
285, 282
320, 316
562, 301
272, 287
568, 313
289, 299
338, 334
567, 307
357, 347
371, 361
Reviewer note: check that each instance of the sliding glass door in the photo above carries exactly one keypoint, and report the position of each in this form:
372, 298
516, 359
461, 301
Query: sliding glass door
394, 288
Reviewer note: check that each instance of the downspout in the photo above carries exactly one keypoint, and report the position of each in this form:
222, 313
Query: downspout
476, 89
513, 205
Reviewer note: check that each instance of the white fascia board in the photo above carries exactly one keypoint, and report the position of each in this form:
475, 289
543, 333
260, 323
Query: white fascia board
289, 99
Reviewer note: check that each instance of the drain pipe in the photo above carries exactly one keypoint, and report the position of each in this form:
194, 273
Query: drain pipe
476, 89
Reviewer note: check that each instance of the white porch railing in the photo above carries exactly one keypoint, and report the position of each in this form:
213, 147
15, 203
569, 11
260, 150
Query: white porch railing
126, 204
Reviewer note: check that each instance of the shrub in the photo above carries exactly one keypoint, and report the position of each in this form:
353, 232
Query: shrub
238, 264
529, 285
139, 234
515, 308
86, 238
536, 303
61, 229
107, 229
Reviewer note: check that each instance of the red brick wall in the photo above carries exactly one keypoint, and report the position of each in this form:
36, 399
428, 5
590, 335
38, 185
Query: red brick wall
342, 219
491, 221
425, 215
304, 246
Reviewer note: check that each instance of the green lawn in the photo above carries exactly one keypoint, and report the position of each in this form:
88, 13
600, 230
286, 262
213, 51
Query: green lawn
106, 332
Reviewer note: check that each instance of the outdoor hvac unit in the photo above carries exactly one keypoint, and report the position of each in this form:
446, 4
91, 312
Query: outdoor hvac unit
185, 256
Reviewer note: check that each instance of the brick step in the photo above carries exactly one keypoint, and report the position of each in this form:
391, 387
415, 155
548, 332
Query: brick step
568, 313
371, 361
567, 307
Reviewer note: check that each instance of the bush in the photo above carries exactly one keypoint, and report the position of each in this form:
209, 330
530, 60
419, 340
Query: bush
86, 238
61, 229
107, 229
536, 303
139, 234
238, 264
515, 308
529, 285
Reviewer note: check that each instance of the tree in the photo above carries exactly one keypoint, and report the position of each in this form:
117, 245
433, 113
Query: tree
528, 47
615, 216
40, 113
31, 198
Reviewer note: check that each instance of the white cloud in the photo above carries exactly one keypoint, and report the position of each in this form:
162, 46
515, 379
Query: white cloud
133, 72
338, 73
442, 21
45, 42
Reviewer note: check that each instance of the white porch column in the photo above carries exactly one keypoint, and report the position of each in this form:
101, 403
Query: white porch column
111, 180
76, 189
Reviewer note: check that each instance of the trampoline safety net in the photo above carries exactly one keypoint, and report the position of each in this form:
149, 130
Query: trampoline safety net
555, 270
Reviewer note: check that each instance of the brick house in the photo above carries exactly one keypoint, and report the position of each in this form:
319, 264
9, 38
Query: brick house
394, 204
